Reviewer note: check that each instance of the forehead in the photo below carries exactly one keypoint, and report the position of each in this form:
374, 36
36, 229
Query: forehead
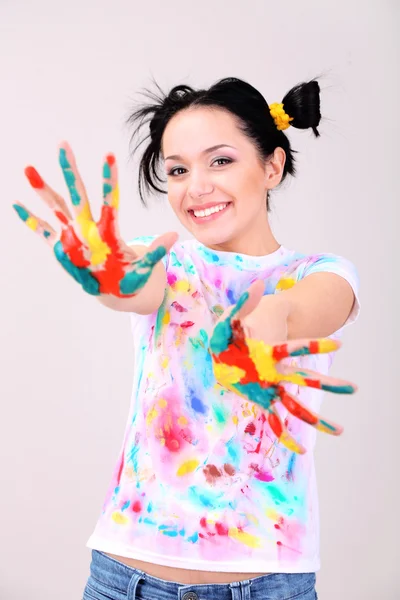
192, 130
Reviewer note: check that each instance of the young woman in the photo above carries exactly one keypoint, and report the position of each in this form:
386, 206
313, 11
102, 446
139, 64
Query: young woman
214, 493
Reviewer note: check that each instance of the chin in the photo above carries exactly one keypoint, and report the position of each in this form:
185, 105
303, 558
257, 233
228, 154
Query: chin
212, 238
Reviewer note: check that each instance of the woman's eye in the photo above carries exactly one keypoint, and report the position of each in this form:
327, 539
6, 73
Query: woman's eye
228, 160
173, 172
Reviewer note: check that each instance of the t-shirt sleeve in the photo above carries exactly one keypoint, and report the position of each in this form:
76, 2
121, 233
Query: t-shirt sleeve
331, 263
147, 240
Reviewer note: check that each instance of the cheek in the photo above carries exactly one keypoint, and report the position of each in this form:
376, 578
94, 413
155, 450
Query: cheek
174, 200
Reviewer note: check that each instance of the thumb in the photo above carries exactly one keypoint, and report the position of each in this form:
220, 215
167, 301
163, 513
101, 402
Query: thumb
249, 300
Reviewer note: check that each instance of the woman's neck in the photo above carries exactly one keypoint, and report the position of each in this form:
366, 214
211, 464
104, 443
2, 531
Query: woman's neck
255, 242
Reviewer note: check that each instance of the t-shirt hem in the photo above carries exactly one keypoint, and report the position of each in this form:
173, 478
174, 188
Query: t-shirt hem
240, 566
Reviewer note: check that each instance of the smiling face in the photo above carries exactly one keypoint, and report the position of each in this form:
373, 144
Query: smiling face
217, 183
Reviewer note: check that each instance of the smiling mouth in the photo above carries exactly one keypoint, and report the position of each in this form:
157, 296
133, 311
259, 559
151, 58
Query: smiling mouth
207, 212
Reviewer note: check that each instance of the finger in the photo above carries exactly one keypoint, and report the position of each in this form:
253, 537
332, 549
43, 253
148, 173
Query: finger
166, 240
140, 270
230, 327
305, 347
53, 200
79, 199
36, 224
156, 251
108, 223
305, 377
297, 409
282, 433
248, 301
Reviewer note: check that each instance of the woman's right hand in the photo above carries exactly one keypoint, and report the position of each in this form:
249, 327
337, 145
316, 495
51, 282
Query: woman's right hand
92, 252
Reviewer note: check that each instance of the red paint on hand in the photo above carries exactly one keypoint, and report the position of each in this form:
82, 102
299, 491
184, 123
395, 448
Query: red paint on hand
34, 178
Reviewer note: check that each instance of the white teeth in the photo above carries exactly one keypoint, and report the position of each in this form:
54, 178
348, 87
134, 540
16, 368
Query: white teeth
209, 211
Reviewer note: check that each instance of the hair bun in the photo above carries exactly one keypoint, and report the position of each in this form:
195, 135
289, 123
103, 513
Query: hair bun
302, 104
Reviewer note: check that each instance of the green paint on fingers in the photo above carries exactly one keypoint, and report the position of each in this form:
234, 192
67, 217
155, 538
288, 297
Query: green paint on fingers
22, 213
69, 177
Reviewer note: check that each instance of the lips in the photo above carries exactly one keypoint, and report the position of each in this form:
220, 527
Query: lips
200, 214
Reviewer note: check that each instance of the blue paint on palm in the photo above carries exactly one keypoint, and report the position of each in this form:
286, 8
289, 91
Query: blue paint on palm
135, 280
222, 333
81, 274
221, 337
256, 393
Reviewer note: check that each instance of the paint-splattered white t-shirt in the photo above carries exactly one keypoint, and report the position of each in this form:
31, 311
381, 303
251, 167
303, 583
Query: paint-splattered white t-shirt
201, 481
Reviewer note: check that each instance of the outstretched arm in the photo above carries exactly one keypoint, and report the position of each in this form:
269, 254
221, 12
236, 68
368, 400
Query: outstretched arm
316, 306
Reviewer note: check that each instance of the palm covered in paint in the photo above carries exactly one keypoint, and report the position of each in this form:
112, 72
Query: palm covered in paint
92, 252
253, 369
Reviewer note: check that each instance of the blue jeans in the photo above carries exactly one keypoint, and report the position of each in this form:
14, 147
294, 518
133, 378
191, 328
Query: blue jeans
112, 580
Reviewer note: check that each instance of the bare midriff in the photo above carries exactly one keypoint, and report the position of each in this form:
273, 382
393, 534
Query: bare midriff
186, 576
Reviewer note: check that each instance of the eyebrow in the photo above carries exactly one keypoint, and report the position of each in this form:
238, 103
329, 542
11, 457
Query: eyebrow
207, 151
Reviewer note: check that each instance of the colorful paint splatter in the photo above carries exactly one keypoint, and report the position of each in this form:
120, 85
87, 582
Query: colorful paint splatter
248, 368
202, 480
92, 253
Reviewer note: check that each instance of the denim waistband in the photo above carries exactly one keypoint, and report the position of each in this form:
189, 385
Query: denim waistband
131, 583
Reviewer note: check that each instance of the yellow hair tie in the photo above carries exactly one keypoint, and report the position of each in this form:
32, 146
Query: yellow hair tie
282, 119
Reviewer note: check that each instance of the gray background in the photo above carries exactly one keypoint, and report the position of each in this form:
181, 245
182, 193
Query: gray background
71, 70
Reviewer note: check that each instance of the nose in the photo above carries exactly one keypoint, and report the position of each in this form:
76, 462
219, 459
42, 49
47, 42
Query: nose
199, 184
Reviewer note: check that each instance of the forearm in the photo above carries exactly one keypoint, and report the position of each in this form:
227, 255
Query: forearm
269, 320
315, 307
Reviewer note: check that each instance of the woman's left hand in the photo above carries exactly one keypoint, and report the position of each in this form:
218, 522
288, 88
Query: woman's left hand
247, 346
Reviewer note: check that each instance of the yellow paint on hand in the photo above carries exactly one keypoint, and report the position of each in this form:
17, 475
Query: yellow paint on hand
295, 378
326, 345
261, 355
291, 443
98, 248
187, 467
115, 197
325, 429
32, 223
227, 375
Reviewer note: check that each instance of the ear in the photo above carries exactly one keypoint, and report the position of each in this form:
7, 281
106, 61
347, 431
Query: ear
274, 168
